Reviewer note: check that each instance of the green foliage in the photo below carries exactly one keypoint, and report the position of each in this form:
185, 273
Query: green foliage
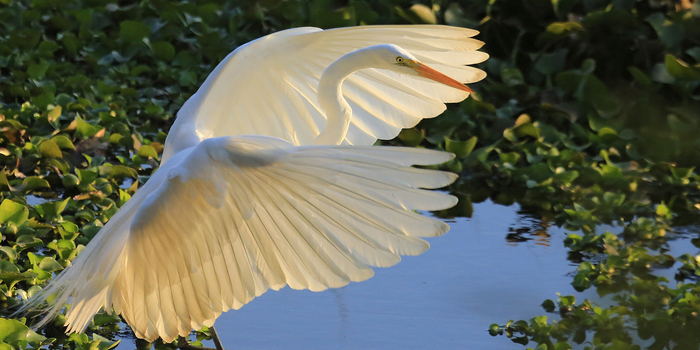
589, 116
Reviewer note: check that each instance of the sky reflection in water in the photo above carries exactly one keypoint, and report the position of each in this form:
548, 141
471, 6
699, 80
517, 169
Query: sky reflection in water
446, 298
496, 266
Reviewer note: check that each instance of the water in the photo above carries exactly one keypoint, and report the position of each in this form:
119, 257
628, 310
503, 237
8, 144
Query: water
496, 266
445, 298
35, 200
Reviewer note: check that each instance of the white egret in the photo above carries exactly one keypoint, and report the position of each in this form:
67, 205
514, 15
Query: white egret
250, 196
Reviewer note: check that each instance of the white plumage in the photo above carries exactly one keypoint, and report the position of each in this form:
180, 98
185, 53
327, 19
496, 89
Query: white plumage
243, 202
270, 86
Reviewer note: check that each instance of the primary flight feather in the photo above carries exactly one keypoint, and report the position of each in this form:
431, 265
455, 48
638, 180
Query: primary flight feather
269, 179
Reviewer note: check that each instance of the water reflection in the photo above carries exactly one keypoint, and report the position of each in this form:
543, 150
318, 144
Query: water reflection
497, 265
529, 227
475, 275
35, 200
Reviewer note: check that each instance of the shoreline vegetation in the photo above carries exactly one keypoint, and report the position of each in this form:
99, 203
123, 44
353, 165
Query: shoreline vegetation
589, 117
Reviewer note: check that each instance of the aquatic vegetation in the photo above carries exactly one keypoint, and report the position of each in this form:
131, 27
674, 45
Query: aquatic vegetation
588, 119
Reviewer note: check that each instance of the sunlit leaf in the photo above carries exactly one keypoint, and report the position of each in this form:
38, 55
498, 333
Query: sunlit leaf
49, 149
49, 264
119, 171
12, 212
461, 149
63, 142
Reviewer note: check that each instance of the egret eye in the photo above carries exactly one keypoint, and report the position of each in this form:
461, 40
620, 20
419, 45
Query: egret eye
399, 60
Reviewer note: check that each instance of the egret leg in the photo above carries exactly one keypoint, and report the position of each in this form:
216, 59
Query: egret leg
215, 338
184, 344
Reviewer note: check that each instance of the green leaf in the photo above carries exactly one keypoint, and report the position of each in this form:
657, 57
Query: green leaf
49, 264
412, 137
681, 173
11, 278
11, 253
49, 149
418, 14
147, 151
562, 346
187, 78
671, 33
51, 211
71, 43
681, 70
68, 230
639, 76
86, 176
154, 109
581, 282
47, 48
663, 211
494, 329
6, 266
63, 142
12, 212
564, 28
84, 130
37, 70
12, 330
114, 138
566, 177
540, 321
104, 318
461, 149
552, 62
510, 157
548, 305
55, 112
33, 182
133, 31
43, 100
512, 76
104, 343
163, 50
119, 171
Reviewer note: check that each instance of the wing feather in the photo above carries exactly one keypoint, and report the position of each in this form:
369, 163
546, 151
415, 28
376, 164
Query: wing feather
269, 86
241, 215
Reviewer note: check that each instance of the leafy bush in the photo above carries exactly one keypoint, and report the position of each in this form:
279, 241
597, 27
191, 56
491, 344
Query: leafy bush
589, 116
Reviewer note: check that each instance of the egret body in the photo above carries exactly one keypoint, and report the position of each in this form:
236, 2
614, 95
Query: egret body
268, 179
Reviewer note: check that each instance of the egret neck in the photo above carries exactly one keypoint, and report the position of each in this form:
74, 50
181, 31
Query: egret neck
387, 56
330, 94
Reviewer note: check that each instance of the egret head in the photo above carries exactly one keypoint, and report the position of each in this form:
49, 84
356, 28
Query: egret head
395, 58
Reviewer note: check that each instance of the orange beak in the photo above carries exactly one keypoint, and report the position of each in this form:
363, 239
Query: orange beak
432, 74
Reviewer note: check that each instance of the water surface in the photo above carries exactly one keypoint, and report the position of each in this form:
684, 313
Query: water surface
497, 265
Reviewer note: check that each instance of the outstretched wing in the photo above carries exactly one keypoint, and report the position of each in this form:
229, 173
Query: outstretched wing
241, 215
269, 86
